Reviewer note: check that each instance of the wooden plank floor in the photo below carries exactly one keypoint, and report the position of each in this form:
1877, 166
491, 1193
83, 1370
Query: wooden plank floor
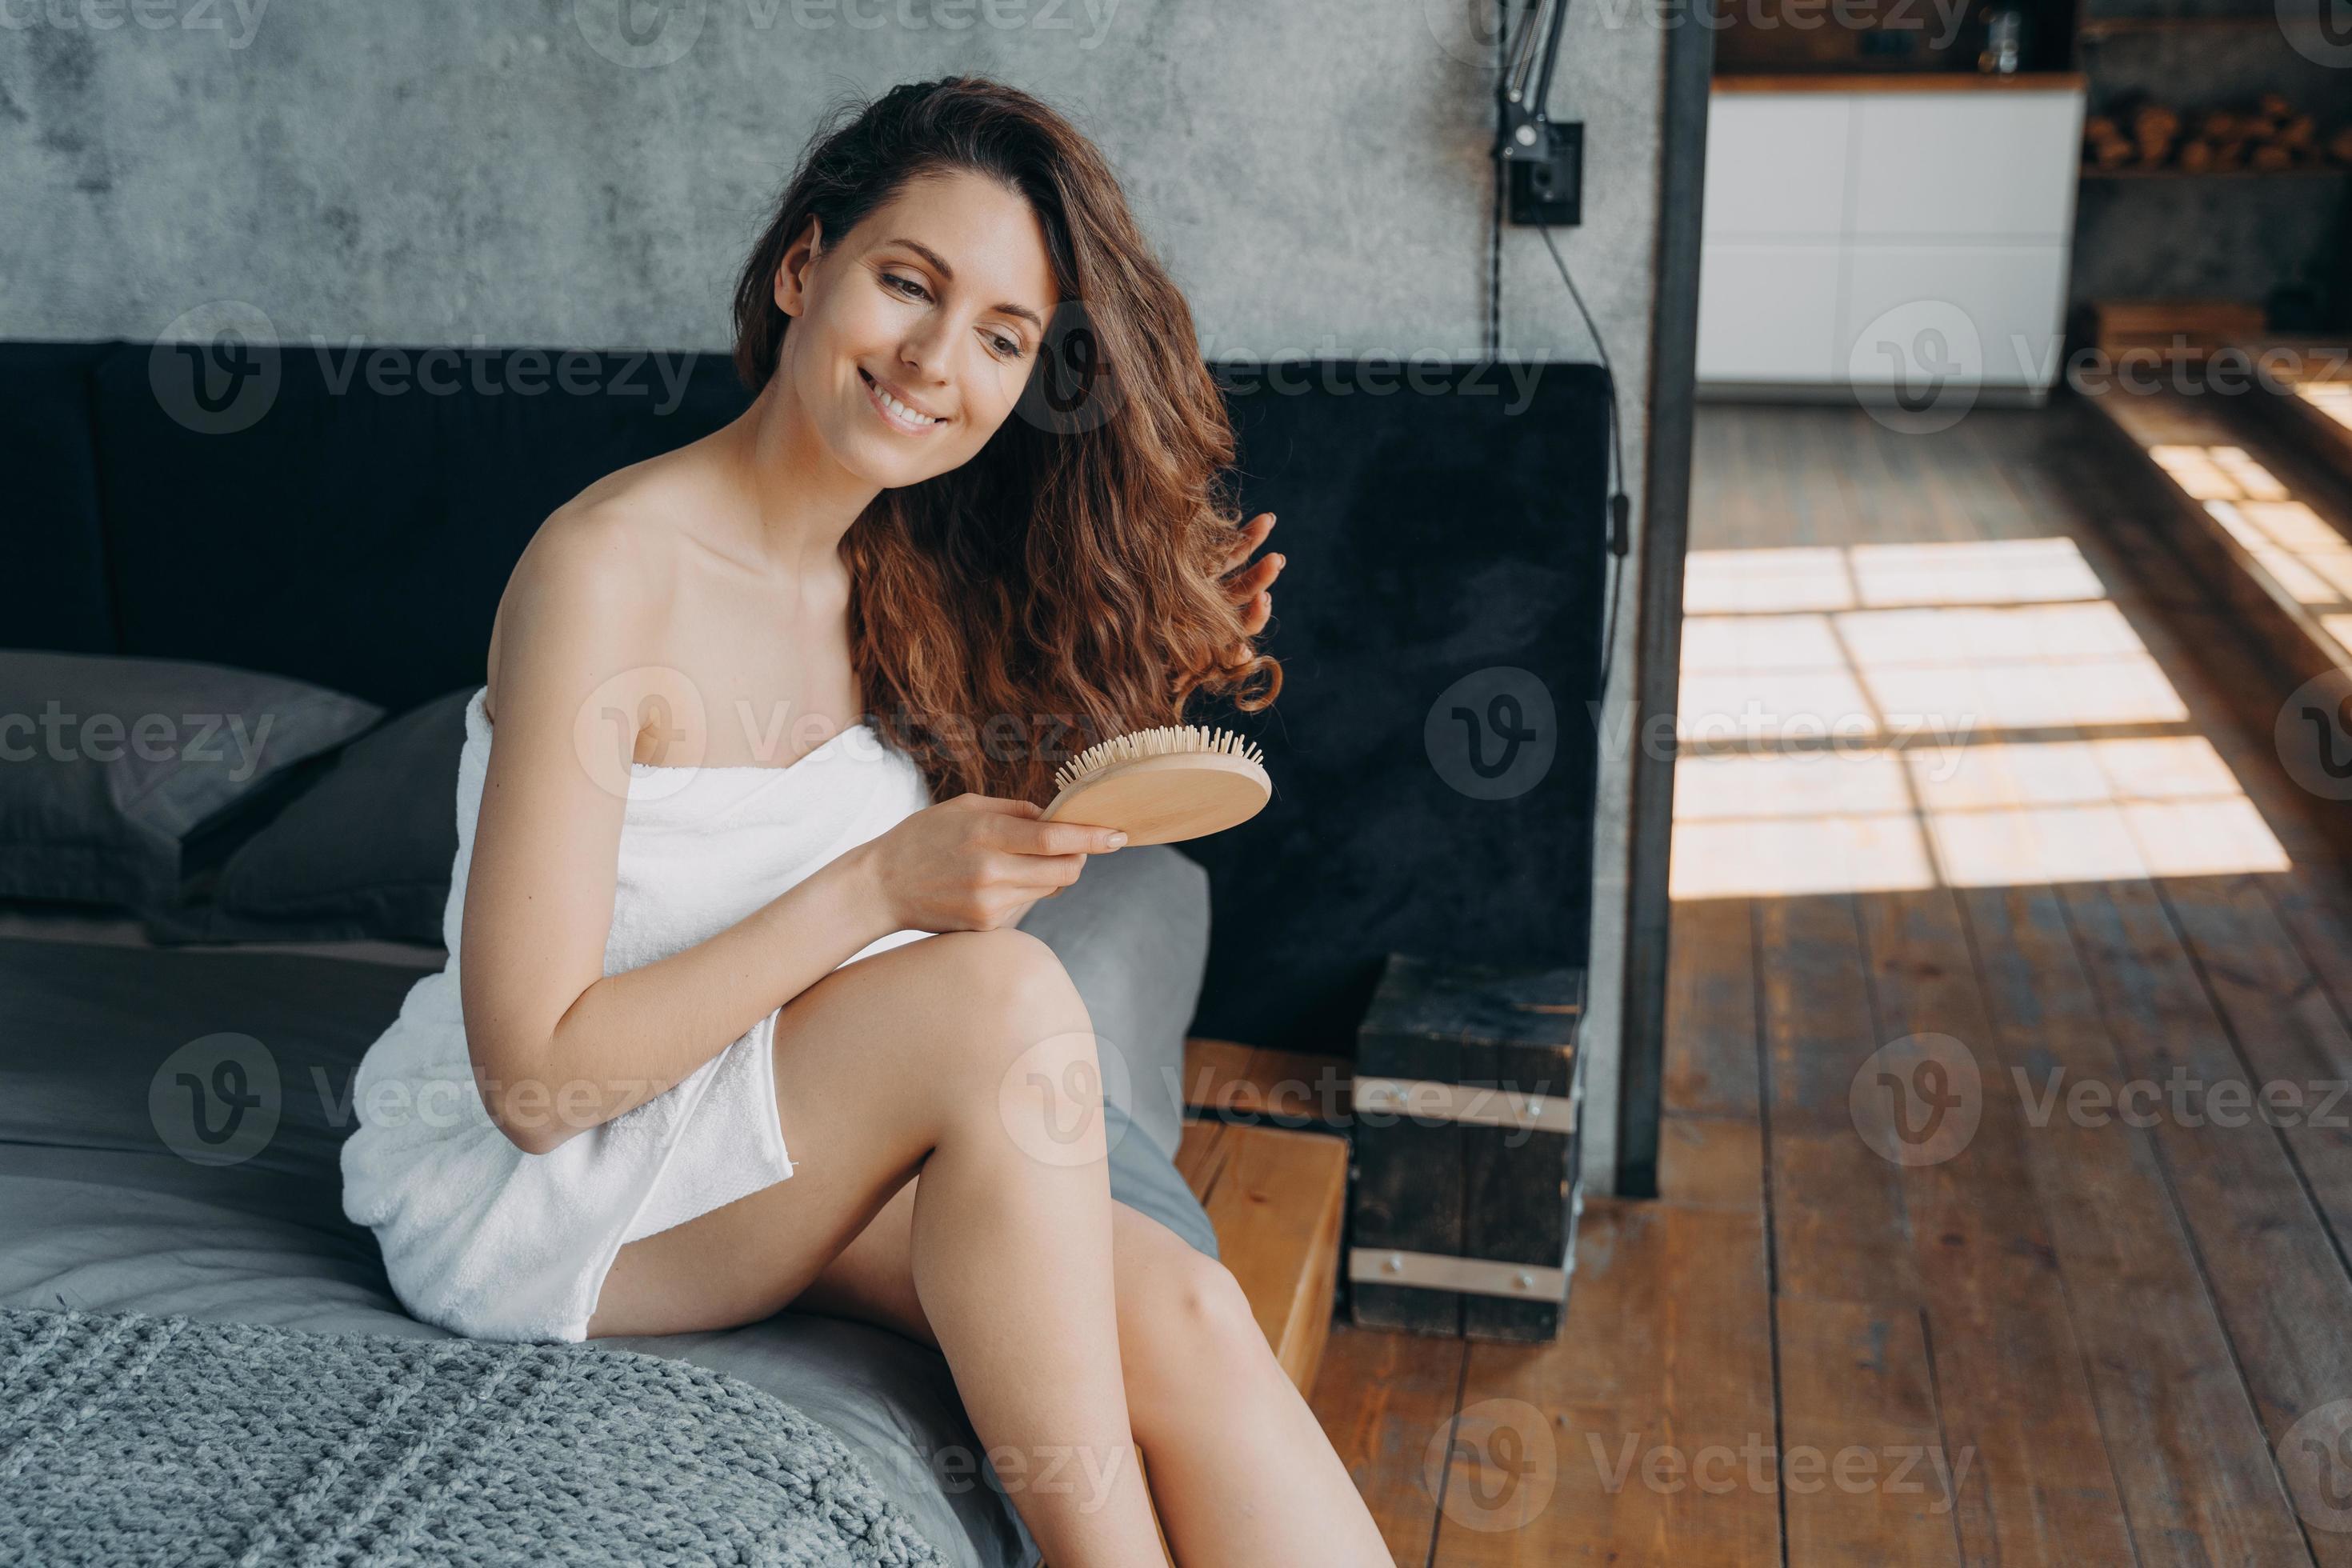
1997, 925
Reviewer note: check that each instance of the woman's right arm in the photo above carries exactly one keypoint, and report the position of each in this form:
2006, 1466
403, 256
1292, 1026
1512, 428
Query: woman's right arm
558, 1046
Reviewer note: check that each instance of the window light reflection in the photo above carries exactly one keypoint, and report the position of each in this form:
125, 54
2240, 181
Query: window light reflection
1873, 718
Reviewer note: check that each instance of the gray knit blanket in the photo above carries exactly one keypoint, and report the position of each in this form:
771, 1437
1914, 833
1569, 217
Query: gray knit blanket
133, 1439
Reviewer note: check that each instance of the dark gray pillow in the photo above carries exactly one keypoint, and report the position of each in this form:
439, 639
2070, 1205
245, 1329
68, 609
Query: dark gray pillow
365, 850
110, 765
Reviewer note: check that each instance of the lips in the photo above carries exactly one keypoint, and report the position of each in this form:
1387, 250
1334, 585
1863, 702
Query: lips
875, 398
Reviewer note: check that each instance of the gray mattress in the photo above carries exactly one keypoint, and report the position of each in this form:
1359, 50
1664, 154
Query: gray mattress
98, 1213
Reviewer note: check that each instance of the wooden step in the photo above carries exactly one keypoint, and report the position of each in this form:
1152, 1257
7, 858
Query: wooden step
1225, 1080
1277, 1198
2257, 532
2305, 404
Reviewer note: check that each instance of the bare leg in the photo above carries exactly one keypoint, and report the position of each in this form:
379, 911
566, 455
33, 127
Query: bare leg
969, 1057
1241, 1469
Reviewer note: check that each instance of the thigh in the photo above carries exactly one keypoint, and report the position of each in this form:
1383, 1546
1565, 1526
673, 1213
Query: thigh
872, 1061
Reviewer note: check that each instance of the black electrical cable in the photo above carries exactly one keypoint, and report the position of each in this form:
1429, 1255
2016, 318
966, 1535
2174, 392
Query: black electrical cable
1620, 507
1494, 246
1494, 276
1619, 539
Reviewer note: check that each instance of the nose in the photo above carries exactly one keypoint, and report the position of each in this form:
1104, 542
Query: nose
924, 353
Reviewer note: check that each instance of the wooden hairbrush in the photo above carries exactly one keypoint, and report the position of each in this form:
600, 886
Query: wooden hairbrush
1162, 785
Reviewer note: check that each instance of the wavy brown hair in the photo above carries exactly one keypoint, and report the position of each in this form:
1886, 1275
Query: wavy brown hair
1061, 587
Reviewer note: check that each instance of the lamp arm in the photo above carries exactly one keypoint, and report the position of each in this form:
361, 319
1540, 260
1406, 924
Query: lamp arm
1523, 50
1557, 11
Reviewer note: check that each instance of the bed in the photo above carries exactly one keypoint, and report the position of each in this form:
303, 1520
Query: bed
99, 1213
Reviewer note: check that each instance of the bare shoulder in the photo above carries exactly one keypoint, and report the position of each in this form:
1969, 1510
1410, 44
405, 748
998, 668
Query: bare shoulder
609, 556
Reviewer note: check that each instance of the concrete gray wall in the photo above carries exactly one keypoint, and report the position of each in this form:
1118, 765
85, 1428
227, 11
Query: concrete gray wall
1314, 173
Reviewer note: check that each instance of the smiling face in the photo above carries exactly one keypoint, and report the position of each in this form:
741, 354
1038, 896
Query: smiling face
914, 333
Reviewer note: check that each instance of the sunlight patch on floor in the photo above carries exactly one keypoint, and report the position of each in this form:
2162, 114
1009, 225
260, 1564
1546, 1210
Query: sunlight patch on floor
2333, 398
1884, 717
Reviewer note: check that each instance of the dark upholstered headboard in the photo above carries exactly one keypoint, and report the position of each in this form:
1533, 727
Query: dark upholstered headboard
354, 522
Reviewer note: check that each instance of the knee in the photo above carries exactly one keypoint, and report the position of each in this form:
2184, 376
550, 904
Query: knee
1197, 1330
1016, 1021
1010, 974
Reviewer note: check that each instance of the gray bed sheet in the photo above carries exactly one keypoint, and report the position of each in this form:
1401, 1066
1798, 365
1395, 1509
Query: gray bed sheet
99, 1213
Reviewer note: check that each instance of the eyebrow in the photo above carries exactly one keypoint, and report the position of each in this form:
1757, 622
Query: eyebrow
939, 263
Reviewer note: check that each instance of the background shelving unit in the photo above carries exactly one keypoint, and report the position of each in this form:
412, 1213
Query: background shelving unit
2272, 237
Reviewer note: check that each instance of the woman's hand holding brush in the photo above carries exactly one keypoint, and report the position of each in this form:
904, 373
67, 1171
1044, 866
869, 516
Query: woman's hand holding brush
973, 863
978, 862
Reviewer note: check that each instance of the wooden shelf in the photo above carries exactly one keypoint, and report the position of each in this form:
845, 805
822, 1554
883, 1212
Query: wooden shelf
2094, 28
1896, 81
2322, 171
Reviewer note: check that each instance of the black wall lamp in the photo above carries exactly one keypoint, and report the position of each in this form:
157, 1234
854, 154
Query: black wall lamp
1545, 158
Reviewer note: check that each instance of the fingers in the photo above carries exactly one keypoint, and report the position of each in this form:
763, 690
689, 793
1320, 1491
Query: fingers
1259, 577
1252, 535
1055, 872
1002, 805
1057, 838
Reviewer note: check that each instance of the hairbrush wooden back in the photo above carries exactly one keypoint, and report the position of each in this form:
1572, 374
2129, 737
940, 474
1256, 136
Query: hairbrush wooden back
1163, 786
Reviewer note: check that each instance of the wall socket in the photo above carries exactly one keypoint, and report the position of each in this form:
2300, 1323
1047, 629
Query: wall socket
1547, 177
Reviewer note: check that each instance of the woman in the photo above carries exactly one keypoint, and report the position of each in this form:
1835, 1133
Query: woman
680, 959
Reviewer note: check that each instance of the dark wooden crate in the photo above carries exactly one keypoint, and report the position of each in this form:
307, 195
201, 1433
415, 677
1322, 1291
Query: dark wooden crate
1469, 1192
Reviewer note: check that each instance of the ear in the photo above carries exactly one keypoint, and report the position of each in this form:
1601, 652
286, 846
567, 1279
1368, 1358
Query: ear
792, 272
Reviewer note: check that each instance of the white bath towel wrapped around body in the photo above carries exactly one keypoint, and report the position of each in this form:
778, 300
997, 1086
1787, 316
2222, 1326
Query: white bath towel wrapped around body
485, 1240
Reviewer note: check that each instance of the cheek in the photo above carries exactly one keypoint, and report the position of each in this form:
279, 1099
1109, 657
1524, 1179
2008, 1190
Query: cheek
997, 394
856, 327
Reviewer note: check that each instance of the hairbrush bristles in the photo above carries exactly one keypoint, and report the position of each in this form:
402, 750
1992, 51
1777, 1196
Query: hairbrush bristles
1168, 740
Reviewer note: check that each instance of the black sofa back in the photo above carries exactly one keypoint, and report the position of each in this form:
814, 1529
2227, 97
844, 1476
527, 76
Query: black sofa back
350, 517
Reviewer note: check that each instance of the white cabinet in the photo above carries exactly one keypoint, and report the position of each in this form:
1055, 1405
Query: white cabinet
1778, 167
1995, 164
2009, 296
1848, 234
1776, 309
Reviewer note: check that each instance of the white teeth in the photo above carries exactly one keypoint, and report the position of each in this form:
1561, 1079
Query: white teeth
901, 409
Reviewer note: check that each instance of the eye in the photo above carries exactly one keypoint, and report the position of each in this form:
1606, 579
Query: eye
892, 278
1008, 347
